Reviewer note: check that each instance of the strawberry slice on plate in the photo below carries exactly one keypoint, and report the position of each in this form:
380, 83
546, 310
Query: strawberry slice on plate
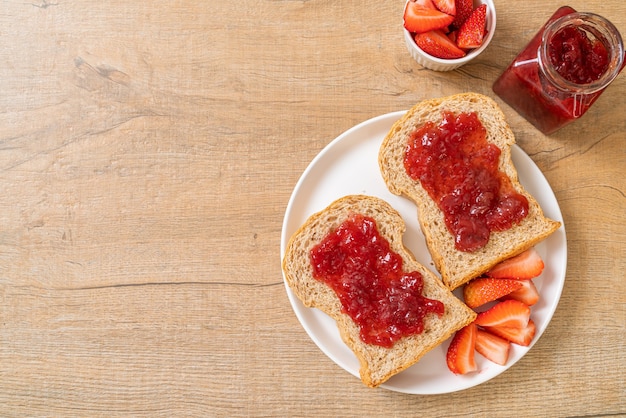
492, 347
524, 266
485, 289
420, 19
464, 9
520, 336
460, 355
437, 44
472, 31
526, 293
508, 313
446, 6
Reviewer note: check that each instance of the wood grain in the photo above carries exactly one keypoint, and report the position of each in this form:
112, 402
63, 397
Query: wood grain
147, 154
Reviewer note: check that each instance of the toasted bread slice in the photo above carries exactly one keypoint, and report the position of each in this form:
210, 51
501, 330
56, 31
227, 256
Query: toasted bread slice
458, 267
377, 364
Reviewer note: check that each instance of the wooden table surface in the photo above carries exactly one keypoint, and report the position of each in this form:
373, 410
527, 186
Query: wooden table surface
147, 155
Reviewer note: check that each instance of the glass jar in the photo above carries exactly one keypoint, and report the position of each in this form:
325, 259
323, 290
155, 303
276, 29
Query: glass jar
554, 80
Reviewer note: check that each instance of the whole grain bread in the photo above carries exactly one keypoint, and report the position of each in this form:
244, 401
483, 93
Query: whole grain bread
458, 267
377, 364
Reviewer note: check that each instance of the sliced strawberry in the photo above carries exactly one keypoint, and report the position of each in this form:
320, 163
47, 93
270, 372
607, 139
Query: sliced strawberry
446, 6
520, 336
420, 19
460, 355
437, 44
464, 9
508, 313
527, 293
524, 266
492, 347
452, 36
484, 289
472, 31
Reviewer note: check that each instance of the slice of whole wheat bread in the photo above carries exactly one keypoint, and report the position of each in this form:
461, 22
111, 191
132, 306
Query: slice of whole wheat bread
377, 364
458, 267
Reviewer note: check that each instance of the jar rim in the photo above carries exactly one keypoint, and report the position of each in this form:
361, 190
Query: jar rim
601, 28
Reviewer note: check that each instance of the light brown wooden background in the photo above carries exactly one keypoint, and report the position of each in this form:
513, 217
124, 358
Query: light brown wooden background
147, 154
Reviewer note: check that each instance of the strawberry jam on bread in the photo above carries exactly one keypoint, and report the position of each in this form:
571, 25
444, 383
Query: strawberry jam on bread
502, 240
383, 357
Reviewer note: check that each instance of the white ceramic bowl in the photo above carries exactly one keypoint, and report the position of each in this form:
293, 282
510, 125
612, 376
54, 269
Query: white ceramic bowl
440, 64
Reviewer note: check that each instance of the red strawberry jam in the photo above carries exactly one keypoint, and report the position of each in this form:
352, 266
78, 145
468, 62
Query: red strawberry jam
577, 58
563, 70
459, 169
367, 276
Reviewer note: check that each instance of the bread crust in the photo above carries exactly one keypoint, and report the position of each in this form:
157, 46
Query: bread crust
458, 267
377, 364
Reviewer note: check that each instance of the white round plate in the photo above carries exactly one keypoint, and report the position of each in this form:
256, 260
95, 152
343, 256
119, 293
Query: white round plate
349, 165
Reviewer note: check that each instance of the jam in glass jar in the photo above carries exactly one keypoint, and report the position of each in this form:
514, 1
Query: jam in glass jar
563, 69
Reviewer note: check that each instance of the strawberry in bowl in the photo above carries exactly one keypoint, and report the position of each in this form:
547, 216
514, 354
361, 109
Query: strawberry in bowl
442, 35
